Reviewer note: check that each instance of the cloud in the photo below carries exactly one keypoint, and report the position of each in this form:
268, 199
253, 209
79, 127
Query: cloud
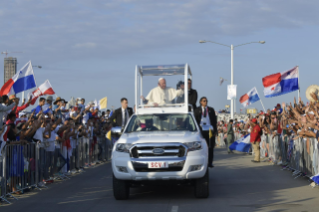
85, 45
75, 36
127, 26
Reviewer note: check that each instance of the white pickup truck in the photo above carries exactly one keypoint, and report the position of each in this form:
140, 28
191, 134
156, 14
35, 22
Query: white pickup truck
160, 144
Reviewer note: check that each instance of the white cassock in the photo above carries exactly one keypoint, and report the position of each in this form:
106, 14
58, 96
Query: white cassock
163, 96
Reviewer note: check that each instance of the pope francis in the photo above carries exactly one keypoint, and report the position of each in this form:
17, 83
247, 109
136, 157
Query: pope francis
162, 95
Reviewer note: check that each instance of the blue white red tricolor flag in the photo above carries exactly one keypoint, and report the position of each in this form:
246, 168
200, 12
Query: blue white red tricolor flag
242, 144
23, 80
249, 98
281, 83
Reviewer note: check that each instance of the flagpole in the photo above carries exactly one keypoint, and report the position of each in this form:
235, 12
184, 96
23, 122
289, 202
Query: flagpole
298, 84
261, 101
262, 105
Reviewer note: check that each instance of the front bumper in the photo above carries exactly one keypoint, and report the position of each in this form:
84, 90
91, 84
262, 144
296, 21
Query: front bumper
179, 168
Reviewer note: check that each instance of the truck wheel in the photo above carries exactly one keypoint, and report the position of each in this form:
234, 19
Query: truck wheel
202, 186
121, 189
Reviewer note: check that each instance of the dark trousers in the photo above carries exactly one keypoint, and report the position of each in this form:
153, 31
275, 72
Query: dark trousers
211, 146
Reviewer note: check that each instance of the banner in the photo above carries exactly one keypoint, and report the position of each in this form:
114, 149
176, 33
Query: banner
103, 103
231, 92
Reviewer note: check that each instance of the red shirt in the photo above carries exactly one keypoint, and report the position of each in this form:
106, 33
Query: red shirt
255, 134
20, 109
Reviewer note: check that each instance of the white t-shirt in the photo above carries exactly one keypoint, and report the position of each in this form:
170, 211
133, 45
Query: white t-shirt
51, 140
57, 128
73, 140
85, 118
45, 107
91, 128
39, 135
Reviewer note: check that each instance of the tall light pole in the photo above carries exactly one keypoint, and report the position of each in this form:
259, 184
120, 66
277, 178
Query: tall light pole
232, 66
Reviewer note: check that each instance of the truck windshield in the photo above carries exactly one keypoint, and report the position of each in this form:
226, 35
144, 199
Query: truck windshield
161, 122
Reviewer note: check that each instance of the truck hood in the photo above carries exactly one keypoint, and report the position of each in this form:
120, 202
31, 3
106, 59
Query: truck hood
157, 137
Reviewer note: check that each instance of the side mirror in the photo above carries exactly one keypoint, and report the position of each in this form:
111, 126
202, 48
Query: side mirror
116, 130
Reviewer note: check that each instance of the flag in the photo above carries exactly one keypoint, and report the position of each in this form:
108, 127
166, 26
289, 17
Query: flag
103, 103
44, 89
281, 83
71, 102
23, 80
108, 135
242, 144
210, 133
96, 104
111, 113
315, 178
249, 98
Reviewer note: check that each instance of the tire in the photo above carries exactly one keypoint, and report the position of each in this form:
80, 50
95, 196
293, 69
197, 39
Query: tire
121, 189
202, 186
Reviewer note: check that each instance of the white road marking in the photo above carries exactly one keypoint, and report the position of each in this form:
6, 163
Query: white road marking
174, 209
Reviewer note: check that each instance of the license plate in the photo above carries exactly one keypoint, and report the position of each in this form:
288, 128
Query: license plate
157, 165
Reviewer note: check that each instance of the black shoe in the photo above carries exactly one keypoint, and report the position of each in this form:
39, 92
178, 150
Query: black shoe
254, 161
211, 166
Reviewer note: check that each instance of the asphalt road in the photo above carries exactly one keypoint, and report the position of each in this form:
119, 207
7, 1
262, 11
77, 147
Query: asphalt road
236, 184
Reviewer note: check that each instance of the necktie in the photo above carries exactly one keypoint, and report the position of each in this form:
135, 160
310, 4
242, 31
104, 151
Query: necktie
125, 117
205, 112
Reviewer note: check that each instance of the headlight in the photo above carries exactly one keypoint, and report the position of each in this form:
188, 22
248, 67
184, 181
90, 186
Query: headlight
192, 146
120, 147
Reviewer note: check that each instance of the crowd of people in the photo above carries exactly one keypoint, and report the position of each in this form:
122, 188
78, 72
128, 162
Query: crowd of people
297, 120
51, 124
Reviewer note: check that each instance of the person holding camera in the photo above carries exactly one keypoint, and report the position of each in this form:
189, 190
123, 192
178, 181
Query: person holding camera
206, 118
6, 107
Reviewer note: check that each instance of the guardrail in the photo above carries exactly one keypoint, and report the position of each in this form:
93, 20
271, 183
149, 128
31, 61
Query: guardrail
29, 166
297, 155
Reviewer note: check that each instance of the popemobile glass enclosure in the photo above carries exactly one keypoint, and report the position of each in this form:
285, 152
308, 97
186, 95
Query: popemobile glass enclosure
162, 89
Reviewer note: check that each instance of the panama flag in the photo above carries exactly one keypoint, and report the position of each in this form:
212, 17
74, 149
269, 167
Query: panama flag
242, 144
44, 89
315, 178
23, 80
249, 98
281, 83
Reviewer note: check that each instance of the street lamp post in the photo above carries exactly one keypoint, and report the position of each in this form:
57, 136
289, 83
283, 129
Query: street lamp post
232, 67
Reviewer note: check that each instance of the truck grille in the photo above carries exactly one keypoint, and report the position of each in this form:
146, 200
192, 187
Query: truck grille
165, 150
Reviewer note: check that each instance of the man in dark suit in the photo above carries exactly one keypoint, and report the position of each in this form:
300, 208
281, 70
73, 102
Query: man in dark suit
206, 118
192, 95
122, 114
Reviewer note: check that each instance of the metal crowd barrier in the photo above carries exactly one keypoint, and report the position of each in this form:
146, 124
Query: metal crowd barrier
298, 155
220, 140
29, 166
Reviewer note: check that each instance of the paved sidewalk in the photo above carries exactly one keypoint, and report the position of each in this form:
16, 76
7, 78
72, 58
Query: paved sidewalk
236, 184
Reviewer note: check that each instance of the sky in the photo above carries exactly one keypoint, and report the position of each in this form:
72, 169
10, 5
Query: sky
89, 48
